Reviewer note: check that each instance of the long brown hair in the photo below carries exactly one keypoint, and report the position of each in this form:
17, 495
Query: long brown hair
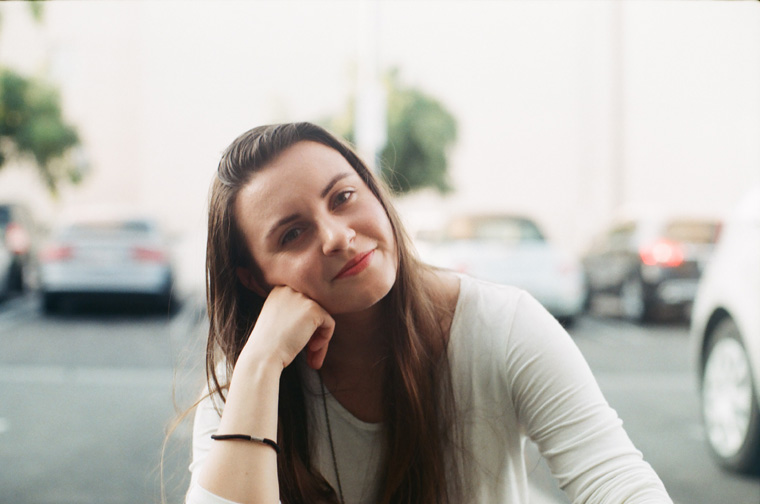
418, 399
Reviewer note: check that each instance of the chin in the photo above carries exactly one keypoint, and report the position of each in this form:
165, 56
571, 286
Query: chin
359, 299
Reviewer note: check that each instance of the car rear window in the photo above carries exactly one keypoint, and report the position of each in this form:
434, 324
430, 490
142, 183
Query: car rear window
692, 231
507, 229
108, 228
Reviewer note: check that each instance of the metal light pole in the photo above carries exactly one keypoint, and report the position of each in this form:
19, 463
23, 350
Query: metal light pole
370, 119
617, 109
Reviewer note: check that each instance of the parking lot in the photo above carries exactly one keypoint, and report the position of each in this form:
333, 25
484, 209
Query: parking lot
87, 397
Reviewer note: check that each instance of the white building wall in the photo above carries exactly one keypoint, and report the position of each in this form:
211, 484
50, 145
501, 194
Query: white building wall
158, 89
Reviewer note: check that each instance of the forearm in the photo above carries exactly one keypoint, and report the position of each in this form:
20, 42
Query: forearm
243, 471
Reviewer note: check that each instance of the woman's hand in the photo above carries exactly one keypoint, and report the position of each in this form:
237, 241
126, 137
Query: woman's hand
288, 323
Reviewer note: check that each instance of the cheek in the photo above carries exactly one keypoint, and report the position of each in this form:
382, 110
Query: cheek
376, 214
296, 273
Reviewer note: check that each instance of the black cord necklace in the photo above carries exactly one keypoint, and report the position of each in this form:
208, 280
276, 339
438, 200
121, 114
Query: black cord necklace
330, 437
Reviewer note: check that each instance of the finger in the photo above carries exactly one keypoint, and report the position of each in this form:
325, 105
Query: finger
319, 343
315, 360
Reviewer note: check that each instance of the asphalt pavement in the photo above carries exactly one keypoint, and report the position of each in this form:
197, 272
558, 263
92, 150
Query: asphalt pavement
86, 399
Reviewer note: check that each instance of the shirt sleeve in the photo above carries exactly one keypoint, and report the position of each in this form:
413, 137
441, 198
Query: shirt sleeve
199, 495
560, 405
206, 423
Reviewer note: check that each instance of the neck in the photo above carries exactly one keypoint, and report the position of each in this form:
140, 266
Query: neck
359, 340
360, 333
354, 367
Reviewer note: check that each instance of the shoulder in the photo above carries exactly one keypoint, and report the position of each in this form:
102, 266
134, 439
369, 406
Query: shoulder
483, 300
484, 316
497, 318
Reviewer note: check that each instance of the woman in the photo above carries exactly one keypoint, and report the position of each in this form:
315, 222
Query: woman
343, 370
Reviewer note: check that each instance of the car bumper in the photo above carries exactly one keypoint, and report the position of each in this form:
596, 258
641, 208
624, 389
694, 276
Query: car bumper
677, 291
128, 280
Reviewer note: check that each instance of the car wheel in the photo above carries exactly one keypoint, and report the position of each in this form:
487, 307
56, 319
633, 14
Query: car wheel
730, 402
50, 303
633, 303
567, 321
16, 280
588, 300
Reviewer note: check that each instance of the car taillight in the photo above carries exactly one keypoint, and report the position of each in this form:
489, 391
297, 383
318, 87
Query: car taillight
144, 254
56, 253
662, 253
17, 239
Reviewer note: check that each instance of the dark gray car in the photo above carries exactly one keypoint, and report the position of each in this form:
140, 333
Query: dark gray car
650, 264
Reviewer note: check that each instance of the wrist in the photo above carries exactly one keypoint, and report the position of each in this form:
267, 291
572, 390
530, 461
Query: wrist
252, 398
257, 368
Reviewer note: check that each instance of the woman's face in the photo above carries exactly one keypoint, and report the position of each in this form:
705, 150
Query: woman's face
311, 223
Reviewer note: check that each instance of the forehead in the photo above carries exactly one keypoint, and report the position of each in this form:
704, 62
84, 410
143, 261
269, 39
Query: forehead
307, 162
300, 171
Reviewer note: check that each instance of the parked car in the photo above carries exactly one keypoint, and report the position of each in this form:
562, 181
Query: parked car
511, 249
6, 261
650, 263
106, 257
20, 235
725, 336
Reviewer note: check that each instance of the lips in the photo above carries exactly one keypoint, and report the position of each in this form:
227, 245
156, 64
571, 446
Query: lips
356, 265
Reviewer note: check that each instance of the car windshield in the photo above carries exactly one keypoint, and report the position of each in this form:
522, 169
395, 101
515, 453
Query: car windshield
501, 229
692, 231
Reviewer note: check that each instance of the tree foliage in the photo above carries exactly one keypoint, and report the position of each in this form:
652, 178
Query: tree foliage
32, 126
420, 133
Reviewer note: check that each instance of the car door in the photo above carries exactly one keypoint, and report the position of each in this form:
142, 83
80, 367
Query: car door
609, 263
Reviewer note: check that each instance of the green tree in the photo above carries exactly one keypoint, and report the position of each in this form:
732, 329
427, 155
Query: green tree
32, 126
420, 133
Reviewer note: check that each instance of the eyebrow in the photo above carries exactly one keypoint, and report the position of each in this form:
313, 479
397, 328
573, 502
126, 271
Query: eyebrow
292, 217
332, 183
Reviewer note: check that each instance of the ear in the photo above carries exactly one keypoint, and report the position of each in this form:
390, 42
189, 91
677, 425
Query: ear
249, 279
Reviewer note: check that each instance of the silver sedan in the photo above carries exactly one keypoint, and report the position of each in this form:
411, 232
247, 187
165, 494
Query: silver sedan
106, 257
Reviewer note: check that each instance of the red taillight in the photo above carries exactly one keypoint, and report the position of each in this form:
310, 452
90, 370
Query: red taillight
662, 253
17, 239
148, 255
56, 253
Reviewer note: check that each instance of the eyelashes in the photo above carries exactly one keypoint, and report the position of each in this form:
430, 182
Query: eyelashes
342, 197
293, 233
290, 235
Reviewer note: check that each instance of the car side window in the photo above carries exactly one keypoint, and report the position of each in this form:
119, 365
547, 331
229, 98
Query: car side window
619, 237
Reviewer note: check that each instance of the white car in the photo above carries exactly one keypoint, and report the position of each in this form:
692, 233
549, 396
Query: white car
510, 249
106, 258
725, 334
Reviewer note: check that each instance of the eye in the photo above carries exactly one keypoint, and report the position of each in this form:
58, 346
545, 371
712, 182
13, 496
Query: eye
290, 235
342, 197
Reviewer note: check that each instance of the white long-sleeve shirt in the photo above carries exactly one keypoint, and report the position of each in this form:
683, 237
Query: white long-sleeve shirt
517, 374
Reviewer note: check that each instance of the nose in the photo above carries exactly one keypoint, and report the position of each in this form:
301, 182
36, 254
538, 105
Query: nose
336, 235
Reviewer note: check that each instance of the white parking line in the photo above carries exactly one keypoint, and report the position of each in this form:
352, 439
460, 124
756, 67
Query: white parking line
16, 311
112, 377
5, 425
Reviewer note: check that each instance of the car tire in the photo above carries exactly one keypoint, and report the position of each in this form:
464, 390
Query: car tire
568, 321
730, 401
588, 300
50, 303
16, 279
633, 302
